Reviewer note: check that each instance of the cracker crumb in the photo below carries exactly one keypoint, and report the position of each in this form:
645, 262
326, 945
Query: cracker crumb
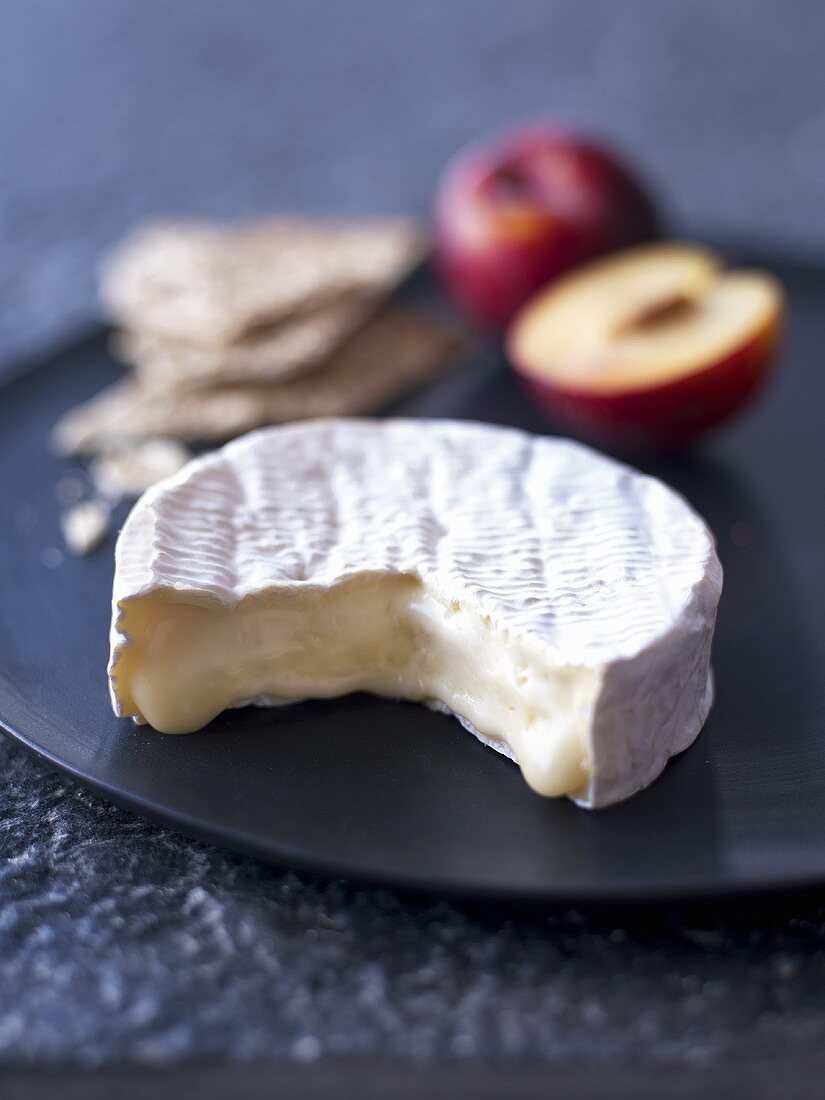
85, 526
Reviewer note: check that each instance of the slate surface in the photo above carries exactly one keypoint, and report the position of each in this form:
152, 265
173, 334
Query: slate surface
122, 942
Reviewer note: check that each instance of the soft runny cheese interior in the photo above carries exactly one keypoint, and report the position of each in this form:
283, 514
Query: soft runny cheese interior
388, 635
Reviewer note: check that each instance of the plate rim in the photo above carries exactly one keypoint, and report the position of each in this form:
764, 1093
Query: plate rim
628, 891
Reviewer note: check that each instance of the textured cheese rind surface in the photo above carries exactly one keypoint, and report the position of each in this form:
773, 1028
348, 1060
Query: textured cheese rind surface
583, 558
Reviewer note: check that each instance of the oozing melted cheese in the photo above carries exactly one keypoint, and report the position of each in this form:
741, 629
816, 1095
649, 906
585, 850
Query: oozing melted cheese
387, 635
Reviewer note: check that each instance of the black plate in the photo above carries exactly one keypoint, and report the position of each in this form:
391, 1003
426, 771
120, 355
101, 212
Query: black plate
391, 792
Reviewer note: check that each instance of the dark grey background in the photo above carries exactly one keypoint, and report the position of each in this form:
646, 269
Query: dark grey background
122, 941
112, 110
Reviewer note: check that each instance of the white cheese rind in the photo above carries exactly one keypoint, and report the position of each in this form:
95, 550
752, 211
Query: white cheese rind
604, 573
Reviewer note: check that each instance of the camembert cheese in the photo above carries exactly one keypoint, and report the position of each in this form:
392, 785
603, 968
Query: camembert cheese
558, 603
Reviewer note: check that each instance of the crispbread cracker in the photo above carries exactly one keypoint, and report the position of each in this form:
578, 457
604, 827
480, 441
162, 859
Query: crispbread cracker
395, 351
208, 284
296, 345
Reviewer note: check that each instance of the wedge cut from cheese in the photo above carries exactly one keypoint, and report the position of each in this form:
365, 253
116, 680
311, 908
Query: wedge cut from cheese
558, 603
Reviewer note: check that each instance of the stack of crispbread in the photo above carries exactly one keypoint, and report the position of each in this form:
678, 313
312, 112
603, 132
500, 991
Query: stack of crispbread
230, 328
